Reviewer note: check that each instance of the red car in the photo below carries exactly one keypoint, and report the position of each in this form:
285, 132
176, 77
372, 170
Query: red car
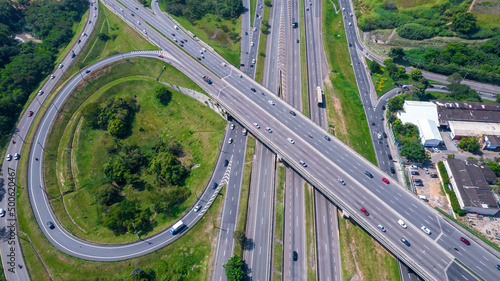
466, 242
385, 180
30, 113
160, 56
365, 211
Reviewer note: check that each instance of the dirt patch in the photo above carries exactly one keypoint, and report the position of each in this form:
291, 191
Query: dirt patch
339, 122
486, 7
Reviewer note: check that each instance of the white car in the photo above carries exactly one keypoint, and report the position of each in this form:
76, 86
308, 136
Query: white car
256, 125
343, 9
251, 44
350, 23
269, 130
426, 230
381, 227
52, 76
402, 223
197, 208
232, 126
290, 140
379, 136
426, 170
2, 213
8, 157
16, 156
270, 102
413, 167
230, 140
40, 92
253, 61
341, 181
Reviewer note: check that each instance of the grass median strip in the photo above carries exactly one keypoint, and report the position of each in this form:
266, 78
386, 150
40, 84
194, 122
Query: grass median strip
278, 223
245, 189
261, 55
310, 236
303, 63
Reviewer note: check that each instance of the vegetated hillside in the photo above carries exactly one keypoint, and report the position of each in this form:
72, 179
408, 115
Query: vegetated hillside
418, 20
23, 66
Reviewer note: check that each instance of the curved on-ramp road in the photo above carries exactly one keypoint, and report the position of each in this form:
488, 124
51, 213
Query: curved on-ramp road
61, 238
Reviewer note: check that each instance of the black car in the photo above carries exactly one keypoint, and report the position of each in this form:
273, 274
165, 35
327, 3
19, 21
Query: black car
51, 225
419, 183
295, 256
226, 162
392, 170
405, 242
384, 134
214, 185
327, 138
383, 107
390, 156
293, 113
373, 123
87, 71
73, 55
415, 173
132, 14
434, 176
368, 174
79, 41
253, 89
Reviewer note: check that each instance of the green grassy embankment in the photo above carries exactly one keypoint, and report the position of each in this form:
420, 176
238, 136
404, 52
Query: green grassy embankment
278, 223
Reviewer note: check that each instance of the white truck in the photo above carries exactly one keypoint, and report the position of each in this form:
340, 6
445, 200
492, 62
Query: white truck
177, 227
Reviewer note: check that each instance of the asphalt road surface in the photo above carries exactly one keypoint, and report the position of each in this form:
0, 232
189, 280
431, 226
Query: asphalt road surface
235, 153
12, 258
326, 161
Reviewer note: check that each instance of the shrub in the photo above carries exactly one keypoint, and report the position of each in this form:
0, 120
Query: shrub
415, 31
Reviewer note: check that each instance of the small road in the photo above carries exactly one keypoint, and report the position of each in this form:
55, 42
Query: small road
233, 174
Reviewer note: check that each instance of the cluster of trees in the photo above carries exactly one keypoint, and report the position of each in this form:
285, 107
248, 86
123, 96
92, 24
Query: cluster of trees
463, 92
196, 9
126, 216
234, 269
113, 114
495, 166
481, 63
423, 22
413, 151
24, 66
139, 274
469, 144
453, 197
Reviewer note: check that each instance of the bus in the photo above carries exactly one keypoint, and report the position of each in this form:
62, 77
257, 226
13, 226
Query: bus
177, 227
319, 93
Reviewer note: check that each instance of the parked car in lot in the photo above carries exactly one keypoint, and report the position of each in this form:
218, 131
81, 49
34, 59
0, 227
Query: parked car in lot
415, 173
426, 170
434, 175
419, 184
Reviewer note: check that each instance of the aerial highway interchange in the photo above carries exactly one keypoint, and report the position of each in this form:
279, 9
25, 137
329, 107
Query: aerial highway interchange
317, 156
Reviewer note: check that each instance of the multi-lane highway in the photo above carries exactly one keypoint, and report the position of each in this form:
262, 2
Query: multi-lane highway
10, 248
431, 255
234, 153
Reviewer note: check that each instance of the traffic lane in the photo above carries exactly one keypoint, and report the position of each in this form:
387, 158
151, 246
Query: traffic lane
326, 236
481, 261
232, 153
261, 258
37, 151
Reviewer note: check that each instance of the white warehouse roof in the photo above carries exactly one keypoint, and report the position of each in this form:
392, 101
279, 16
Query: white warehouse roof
472, 129
429, 133
418, 110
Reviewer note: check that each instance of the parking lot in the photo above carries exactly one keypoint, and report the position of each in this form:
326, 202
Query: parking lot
430, 187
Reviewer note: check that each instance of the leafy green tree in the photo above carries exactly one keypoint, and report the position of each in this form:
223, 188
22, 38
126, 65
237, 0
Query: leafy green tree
469, 144
396, 103
495, 167
455, 78
416, 74
401, 70
116, 170
463, 92
91, 114
164, 95
413, 151
117, 128
234, 269
103, 36
240, 238
464, 23
168, 168
419, 90
267, 3
120, 216
374, 66
108, 195
396, 53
